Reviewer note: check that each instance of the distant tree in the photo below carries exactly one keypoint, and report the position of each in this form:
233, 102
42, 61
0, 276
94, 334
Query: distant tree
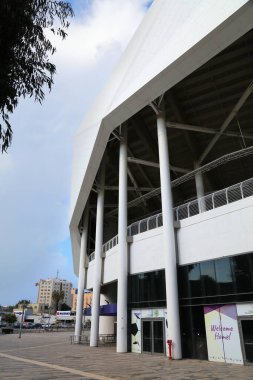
25, 68
22, 302
8, 308
10, 318
65, 307
57, 297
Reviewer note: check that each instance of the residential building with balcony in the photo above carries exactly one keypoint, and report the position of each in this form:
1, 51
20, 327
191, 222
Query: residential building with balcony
46, 287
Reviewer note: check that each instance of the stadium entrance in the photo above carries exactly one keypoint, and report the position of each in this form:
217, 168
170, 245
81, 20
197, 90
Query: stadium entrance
153, 340
246, 332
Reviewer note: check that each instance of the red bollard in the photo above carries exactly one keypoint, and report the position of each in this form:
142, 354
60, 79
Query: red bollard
169, 341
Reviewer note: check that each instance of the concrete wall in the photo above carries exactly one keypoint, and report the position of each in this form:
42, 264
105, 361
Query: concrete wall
224, 231
90, 275
146, 251
111, 265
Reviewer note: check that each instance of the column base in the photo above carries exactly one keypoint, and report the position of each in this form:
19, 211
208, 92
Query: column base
76, 339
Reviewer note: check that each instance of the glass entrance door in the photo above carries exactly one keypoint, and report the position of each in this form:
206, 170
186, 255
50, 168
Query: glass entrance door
153, 336
247, 337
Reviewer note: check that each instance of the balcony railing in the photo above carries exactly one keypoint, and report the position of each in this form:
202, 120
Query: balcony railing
209, 202
219, 198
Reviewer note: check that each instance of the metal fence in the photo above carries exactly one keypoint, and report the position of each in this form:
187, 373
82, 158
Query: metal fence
219, 198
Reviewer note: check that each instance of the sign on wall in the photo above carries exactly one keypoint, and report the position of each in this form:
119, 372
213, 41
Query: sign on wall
223, 341
244, 310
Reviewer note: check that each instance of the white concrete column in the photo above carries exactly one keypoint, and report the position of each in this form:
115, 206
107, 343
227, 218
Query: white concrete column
82, 277
169, 239
200, 189
122, 247
98, 260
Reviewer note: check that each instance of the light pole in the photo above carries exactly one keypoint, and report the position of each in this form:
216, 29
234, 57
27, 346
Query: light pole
22, 320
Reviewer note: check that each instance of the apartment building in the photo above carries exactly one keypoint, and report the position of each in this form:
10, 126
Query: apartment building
46, 289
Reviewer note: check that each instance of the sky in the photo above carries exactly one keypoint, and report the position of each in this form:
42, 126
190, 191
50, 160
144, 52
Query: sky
35, 175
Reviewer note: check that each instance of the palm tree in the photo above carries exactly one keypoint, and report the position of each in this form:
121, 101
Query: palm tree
57, 297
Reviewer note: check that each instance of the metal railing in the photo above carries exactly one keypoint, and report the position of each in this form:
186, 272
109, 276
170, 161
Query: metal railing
144, 225
219, 198
209, 202
110, 244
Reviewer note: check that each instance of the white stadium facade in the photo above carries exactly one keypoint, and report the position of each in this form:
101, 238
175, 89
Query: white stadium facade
162, 188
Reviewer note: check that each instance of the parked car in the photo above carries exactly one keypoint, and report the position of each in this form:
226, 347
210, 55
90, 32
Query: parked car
28, 325
46, 325
37, 326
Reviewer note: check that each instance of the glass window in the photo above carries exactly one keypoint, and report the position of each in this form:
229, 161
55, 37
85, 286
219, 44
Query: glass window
224, 280
224, 276
194, 280
146, 289
242, 269
183, 283
208, 277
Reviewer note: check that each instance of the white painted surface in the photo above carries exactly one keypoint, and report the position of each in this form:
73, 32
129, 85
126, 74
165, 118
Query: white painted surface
98, 260
90, 275
123, 248
224, 231
169, 244
111, 265
81, 279
174, 39
146, 251
106, 324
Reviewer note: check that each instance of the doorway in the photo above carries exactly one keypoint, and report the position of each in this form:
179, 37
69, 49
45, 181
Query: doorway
153, 334
246, 332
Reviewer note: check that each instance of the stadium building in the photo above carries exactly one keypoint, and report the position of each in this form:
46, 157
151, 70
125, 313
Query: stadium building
162, 189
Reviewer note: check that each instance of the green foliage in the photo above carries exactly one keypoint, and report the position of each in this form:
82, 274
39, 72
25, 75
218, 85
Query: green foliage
22, 302
8, 308
10, 318
25, 48
57, 297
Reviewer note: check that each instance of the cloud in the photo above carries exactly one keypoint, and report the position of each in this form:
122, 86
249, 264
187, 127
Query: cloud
36, 173
103, 26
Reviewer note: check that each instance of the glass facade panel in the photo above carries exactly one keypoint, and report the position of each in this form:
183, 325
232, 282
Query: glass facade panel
243, 273
247, 331
208, 277
224, 280
193, 332
225, 284
194, 280
146, 336
147, 289
220, 281
183, 284
158, 337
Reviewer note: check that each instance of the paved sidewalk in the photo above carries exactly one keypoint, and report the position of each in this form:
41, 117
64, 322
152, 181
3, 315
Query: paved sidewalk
51, 356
